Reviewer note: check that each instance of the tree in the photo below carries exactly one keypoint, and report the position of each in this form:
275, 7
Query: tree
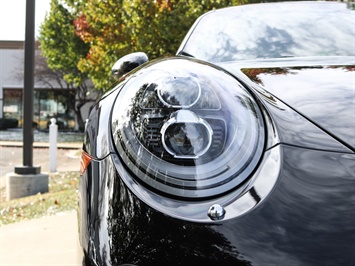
114, 28
63, 49
158, 27
101, 24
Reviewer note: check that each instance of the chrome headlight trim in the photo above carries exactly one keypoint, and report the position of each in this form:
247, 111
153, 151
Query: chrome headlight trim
224, 156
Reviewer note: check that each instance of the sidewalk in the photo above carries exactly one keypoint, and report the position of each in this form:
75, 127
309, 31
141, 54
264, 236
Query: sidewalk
51, 240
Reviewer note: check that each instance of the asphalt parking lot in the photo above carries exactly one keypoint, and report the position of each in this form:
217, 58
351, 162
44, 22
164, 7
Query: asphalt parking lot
11, 156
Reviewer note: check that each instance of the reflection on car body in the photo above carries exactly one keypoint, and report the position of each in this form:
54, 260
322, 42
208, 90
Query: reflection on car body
238, 151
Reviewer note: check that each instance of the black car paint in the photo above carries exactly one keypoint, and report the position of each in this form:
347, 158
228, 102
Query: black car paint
305, 216
312, 89
298, 224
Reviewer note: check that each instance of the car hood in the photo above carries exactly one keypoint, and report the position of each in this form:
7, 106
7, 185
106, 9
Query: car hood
320, 90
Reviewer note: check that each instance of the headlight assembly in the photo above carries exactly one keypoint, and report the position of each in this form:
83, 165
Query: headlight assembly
187, 130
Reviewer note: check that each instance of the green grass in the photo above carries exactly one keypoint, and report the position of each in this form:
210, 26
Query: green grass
62, 196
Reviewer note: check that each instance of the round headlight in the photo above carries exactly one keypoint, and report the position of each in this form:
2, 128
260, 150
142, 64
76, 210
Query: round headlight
186, 129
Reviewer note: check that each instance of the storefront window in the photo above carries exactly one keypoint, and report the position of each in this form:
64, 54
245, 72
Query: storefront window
47, 104
12, 104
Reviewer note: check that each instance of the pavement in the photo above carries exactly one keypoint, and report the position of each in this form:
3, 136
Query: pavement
50, 240
67, 158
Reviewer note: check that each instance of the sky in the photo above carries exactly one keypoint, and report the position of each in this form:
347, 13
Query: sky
13, 18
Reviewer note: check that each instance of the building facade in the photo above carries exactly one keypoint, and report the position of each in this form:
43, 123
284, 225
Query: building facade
50, 99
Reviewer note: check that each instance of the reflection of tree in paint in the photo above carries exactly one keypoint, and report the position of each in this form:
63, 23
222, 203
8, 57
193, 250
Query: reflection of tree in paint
143, 236
253, 73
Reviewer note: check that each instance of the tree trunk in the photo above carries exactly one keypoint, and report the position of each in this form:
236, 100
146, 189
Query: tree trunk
80, 124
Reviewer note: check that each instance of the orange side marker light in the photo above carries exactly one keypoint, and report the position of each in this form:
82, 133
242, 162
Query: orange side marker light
85, 160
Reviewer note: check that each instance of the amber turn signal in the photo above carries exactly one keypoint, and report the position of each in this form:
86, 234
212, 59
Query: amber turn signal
84, 162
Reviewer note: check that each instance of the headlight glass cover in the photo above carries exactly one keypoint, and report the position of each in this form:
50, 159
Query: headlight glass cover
187, 130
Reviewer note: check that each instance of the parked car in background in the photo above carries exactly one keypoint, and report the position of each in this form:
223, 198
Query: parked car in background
6, 123
238, 151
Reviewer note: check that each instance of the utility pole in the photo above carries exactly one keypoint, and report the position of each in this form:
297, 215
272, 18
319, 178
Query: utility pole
27, 179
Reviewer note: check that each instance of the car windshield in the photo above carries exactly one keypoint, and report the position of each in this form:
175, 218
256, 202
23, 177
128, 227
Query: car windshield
273, 30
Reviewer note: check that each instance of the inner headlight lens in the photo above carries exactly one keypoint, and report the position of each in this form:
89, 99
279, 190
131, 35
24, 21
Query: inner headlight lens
179, 92
186, 136
186, 129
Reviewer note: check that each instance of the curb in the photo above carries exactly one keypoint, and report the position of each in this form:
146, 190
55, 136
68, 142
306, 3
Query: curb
63, 145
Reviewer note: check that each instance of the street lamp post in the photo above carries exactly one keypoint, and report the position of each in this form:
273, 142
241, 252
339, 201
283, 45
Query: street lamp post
28, 167
26, 179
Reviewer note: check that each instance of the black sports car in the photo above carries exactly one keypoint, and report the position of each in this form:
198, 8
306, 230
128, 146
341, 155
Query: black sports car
238, 151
